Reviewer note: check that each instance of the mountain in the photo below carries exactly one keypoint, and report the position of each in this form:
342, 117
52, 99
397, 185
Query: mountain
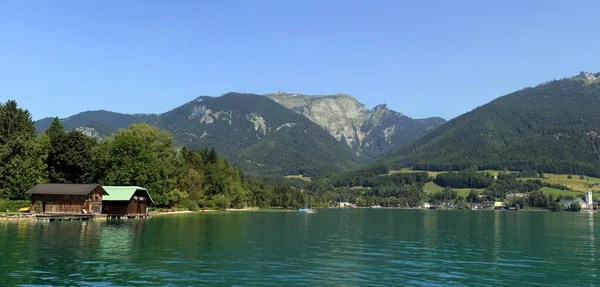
98, 124
369, 133
553, 127
255, 133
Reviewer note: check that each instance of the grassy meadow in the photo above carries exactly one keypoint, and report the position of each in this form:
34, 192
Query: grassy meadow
431, 187
299, 176
575, 183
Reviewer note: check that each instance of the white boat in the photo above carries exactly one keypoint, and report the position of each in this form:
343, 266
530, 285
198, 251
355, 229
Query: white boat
307, 210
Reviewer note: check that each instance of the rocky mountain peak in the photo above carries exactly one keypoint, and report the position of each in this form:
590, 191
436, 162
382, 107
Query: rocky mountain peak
588, 76
346, 119
381, 107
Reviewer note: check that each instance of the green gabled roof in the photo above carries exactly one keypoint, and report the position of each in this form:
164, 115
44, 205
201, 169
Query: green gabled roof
122, 193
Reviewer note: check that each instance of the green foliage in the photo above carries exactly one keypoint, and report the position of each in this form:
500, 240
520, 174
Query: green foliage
221, 201
463, 179
69, 157
55, 130
555, 206
15, 124
473, 196
13, 205
175, 196
141, 155
550, 128
253, 132
575, 207
104, 122
19, 152
446, 195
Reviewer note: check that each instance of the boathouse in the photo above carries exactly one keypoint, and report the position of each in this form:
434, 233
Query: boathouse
130, 201
54, 198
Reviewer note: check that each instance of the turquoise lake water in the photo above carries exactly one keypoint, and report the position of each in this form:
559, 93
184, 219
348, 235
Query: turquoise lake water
349, 247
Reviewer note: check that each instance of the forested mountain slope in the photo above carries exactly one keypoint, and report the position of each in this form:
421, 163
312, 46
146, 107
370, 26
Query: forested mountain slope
98, 124
553, 127
258, 135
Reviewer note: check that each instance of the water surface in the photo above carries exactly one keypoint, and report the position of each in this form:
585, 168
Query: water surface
351, 247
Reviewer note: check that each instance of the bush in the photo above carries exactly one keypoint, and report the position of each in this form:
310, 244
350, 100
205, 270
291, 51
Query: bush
221, 201
13, 205
555, 206
190, 205
575, 207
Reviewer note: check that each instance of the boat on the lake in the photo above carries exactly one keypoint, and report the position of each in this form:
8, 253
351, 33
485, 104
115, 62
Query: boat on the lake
307, 210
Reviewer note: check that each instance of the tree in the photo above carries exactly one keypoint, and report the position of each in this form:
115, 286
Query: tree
193, 183
19, 164
581, 177
221, 201
175, 196
140, 155
575, 207
555, 206
569, 176
69, 158
15, 124
473, 196
55, 130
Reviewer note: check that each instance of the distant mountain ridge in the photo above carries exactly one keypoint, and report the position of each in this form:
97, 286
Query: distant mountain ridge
264, 137
98, 124
252, 131
553, 127
257, 134
370, 133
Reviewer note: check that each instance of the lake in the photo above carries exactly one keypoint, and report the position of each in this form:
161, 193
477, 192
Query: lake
352, 247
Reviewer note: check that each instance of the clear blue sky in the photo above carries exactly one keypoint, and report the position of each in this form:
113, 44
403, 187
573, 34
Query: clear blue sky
422, 58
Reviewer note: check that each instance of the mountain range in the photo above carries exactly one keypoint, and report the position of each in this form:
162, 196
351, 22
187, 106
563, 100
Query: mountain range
369, 133
271, 134
553, 127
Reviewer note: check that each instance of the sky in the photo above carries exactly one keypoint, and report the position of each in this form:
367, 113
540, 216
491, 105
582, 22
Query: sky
422, 58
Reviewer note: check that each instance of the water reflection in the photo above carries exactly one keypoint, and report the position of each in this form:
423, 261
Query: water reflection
592, 245
333, 247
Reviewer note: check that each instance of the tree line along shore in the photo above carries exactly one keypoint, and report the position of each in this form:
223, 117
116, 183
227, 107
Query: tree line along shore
182, 179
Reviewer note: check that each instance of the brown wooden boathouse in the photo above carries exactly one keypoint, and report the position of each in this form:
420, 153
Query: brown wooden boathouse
66, 198
129, 201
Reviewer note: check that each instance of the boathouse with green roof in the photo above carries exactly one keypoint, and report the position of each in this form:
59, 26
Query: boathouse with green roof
130, 201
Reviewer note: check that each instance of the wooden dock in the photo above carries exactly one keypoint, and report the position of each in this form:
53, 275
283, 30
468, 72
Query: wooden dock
126, 216
64, 217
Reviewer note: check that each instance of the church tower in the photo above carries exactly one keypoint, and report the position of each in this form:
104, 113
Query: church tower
588, 199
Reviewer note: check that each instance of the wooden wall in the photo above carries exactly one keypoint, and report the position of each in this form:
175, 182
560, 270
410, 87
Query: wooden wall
66, 203
129, 208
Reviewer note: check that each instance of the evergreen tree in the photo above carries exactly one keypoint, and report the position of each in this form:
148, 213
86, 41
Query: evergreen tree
19, 165
55, 130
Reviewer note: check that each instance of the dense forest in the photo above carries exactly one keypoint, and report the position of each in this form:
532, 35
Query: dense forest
552, 128
139, 155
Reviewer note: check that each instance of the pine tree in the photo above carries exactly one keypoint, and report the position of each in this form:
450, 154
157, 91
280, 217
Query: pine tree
55, 130
19, 169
